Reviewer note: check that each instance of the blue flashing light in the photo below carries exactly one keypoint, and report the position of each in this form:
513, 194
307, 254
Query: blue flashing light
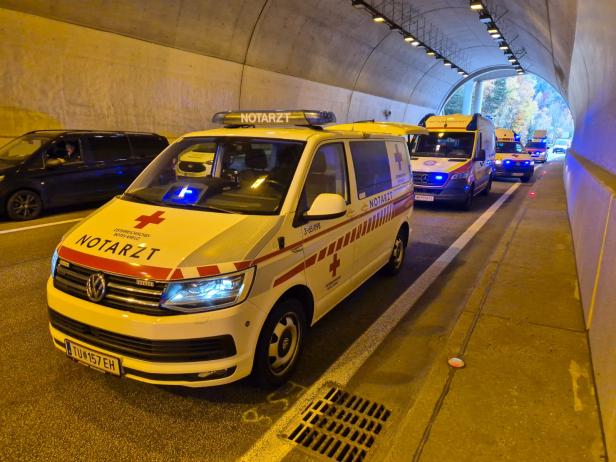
183, 195
438, 177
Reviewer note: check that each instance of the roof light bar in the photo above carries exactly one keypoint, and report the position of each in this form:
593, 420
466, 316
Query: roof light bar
274, 117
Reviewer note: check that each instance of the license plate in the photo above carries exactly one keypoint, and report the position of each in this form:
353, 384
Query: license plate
424, 197
92, 358
518, 174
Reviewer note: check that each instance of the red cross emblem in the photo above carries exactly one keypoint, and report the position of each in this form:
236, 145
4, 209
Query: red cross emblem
334, 265
398, 158
145, 220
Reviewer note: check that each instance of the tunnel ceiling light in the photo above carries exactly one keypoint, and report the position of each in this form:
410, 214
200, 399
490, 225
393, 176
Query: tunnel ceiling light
396, 20
485, 18
503, 46
476, 5
512, 60
495, 35
461, 72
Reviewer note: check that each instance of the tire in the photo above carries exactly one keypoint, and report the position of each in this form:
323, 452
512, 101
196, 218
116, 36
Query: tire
396, 260
468, 202
488, 187
24, 205
281, 340
525, 179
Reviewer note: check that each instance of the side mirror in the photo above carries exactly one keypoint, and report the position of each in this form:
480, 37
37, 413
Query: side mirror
53, 163
481, 155
326, 206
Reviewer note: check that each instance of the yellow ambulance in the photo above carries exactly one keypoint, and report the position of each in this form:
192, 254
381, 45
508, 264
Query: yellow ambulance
202, 280
512, 161
454, 161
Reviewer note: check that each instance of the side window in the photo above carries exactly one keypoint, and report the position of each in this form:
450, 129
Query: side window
371, 163
147, 145
66, 149
518, 147
327, 174
108, 147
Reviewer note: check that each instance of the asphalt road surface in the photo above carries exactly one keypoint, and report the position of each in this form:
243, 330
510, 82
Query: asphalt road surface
54, 408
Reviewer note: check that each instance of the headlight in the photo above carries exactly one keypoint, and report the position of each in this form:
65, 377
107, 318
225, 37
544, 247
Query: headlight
462, 175
54, 262
2, 177
498, 162
208, 294
532, 163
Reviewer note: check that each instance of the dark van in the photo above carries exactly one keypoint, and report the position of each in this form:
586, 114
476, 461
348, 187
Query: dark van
53, 168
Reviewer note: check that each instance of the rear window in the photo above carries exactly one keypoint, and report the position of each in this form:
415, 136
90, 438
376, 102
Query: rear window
537, 144
371, 163
147, 145
508, 147
108, 147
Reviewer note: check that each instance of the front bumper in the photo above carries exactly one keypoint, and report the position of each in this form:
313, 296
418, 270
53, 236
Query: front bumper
453, 191
514, 172
161, 350
539, 156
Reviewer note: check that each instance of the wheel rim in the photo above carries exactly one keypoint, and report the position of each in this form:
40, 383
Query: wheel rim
25, 205
397, 254
284, 343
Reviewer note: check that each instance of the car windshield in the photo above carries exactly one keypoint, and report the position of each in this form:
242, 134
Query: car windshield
455, 145
508, 146
536, 144
226, 175
23, 147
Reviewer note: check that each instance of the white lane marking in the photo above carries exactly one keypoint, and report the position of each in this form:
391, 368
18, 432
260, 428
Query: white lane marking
53, 223
270, 446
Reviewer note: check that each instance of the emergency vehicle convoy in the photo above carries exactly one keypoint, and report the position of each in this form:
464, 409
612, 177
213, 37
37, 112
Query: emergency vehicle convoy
454, 161
201, 280
537, 146
511, 159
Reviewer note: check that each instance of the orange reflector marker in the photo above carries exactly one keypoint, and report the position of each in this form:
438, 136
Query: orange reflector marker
456, 363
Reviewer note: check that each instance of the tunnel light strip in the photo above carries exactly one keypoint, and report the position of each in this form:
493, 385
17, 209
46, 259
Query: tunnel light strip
379, 17
492, 28
270, 444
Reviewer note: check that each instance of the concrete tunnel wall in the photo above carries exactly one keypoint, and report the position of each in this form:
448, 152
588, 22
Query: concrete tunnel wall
168, 66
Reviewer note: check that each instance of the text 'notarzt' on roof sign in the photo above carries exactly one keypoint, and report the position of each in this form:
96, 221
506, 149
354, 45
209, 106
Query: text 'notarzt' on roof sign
264, 117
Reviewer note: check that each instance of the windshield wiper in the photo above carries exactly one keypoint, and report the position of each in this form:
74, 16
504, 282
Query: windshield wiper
209, 208
140, 199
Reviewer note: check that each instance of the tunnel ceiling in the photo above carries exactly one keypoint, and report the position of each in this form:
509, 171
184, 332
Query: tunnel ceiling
329, 41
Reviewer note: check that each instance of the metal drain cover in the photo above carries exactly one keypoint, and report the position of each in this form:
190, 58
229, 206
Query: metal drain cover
339, 425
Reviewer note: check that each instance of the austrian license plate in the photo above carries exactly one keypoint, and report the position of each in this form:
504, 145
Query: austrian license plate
424, 197
92, 358
518, 174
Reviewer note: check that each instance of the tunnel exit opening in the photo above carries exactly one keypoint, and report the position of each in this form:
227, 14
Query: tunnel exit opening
527, 104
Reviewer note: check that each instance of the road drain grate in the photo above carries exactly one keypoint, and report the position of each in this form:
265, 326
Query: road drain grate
340, 425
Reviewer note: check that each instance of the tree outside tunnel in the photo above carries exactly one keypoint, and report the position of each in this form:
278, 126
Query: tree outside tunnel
523, 103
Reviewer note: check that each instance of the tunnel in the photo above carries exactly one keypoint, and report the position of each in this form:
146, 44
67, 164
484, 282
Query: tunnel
168, 66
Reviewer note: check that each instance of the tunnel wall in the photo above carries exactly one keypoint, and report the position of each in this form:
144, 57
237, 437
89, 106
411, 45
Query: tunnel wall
590, 180
61, 75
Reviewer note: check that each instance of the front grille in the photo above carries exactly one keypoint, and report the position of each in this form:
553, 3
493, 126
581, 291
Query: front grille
198, 349
122, 293
516, 165
429, 179
192, 167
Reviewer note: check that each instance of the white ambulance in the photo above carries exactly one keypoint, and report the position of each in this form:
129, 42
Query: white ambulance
199, 281
455, 161
512, 161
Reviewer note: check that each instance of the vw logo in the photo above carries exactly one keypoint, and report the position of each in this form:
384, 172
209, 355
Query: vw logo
430, 162
96, 287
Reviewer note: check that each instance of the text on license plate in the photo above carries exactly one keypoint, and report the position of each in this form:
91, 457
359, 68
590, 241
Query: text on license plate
424, 197
518, 174
92, 358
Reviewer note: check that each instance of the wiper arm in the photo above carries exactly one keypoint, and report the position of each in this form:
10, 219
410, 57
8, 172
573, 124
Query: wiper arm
140, 199
209, 208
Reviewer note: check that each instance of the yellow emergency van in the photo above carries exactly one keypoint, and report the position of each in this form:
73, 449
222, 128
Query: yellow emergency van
201, 280
455, 161
512, 161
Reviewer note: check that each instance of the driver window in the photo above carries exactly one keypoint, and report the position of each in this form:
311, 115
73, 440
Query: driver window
327, 174
66, 150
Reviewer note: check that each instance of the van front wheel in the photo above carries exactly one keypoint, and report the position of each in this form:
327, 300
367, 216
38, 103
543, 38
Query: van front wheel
280, 343
397, 254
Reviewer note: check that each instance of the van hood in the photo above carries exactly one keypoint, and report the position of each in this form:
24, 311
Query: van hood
156, 242
438, 164
513, 156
